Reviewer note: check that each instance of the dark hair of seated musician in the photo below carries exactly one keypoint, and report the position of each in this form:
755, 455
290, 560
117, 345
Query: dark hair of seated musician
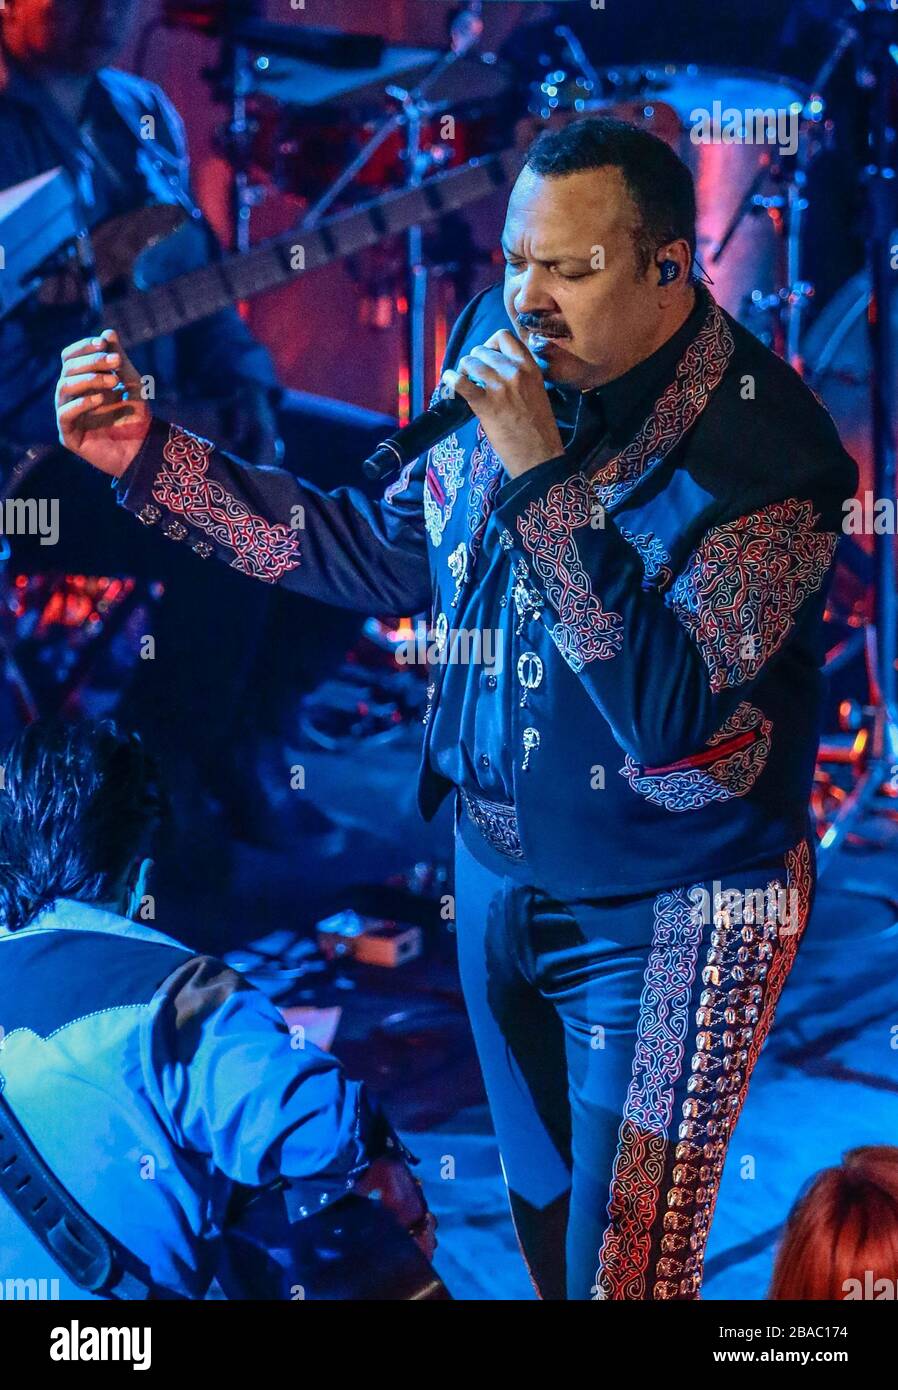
167, 1095
83, 803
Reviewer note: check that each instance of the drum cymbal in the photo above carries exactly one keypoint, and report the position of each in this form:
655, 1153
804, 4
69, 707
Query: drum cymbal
295, 82
298, 82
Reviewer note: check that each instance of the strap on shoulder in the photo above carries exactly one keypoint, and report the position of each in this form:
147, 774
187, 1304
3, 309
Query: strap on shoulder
91, 1258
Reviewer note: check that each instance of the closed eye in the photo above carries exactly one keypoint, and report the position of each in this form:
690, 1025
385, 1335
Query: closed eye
517, 266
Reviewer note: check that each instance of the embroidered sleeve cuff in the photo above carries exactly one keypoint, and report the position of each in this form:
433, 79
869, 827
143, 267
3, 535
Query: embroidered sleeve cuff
216, 503
134, 488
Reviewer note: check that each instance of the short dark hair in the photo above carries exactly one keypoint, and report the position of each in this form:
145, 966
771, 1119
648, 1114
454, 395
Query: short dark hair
79, 802
658, 181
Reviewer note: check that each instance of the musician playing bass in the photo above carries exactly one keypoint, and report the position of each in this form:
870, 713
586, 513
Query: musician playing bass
123, 144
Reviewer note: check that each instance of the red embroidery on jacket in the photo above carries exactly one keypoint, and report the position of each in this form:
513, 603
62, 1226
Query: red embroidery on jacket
699, 373
262, 549
740, 590
729, 766
436, 487
585, 631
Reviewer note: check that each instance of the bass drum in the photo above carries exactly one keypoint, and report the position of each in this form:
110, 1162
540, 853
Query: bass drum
836, 353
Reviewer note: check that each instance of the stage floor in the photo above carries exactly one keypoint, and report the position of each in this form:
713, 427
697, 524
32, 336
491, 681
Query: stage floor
827, 1079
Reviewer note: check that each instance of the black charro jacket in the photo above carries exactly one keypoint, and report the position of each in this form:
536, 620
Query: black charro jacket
673, 575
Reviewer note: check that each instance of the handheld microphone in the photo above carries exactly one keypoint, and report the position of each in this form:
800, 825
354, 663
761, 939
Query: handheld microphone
448, 413
427, 429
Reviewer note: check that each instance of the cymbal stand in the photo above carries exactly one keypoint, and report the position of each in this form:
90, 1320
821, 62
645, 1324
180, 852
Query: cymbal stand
414, 110
791, 203
877, 36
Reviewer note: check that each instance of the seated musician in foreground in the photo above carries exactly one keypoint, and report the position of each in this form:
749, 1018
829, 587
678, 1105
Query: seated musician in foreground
156, 1084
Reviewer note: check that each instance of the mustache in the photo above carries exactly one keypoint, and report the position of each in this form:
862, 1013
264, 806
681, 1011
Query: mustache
551, 328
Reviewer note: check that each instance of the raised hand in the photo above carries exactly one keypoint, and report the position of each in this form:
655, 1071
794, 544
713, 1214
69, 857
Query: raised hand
100, 411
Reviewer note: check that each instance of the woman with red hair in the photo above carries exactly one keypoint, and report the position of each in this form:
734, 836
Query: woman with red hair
841, 1239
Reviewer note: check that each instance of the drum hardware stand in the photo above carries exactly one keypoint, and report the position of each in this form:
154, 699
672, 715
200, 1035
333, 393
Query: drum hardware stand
243, 34
234, 73
790, 203
414, 110
315, 213
578, 56
418, 162
411, 117
238, 136
877, 32
788, 302
799, 290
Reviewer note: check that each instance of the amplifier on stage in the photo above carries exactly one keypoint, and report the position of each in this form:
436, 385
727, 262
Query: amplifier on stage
370, 940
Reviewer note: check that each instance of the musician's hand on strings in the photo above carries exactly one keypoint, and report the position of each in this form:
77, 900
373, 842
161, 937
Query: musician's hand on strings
100, 410
401, 1194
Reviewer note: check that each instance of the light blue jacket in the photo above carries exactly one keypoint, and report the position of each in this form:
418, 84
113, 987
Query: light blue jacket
153, 1082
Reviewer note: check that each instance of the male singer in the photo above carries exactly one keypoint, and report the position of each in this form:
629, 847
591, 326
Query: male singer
645, 509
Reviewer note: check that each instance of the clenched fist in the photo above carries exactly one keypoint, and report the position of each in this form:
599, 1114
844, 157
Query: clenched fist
505, 389
99, 409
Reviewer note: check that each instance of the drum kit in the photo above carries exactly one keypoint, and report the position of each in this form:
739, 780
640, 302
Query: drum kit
328, 133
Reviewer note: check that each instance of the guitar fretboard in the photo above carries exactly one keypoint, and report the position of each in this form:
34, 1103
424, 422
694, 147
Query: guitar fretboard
140, 317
